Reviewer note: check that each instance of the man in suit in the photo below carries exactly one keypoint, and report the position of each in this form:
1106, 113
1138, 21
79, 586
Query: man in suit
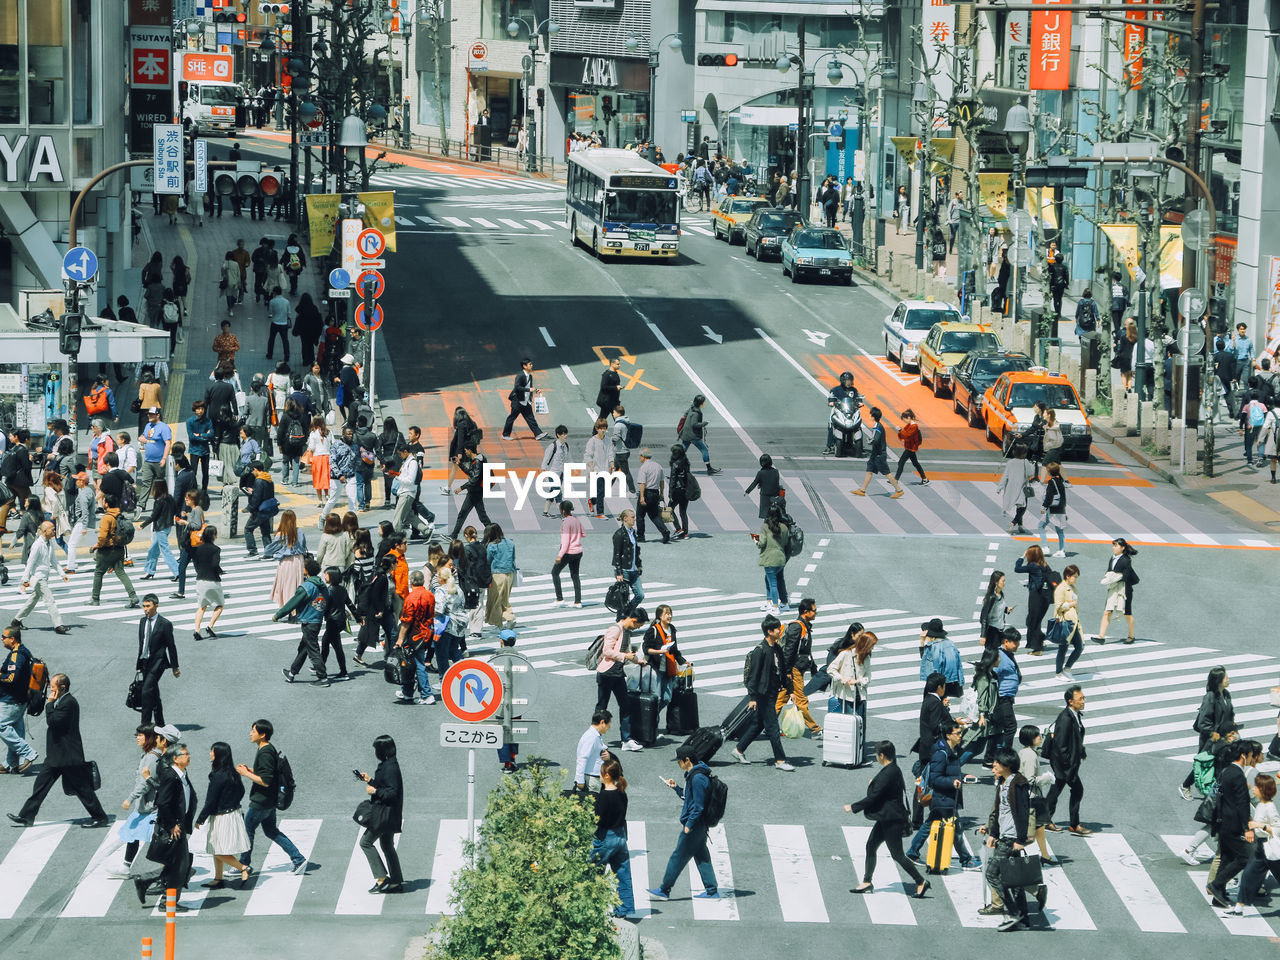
1065, 757
610, 388
63, 759
176, 805
521, 397
156, 654
933, 715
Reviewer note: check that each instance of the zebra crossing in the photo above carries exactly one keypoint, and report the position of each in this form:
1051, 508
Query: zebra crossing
488, 185
945, 508
796, 873
717, 628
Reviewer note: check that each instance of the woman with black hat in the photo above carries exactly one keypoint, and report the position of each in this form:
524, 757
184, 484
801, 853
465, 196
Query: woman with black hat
1120, 579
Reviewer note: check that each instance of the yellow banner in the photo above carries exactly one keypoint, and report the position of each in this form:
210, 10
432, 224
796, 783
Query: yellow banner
995, 193
906, 148
1041, 199
1124, 237
380, 212
944, 148
322, 215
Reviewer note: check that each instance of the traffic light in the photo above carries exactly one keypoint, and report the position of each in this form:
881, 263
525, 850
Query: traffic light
542, 97
247, 184
69, 333
281, 9
228, 17
1056, 175
718, 60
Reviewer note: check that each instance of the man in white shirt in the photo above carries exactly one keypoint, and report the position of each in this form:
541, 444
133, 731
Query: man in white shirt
407, 484
592, 752
40, 566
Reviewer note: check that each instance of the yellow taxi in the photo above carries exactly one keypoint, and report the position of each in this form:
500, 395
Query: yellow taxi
945, 345
730, 216
1008, 409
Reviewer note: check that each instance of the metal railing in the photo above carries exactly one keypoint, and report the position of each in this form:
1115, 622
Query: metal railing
499, 157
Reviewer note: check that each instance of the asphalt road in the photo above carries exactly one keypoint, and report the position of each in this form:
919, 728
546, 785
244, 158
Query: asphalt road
464, 303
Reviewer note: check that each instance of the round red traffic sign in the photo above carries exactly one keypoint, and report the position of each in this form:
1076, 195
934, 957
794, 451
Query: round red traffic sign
472, 690
479, 52
378, 283
371, 243
363, 322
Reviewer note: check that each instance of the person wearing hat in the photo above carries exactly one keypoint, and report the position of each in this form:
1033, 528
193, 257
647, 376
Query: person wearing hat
349, 380
692, 842
939, 654
157, 440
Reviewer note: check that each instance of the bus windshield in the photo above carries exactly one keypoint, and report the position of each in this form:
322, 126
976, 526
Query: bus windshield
220, 95
640, 206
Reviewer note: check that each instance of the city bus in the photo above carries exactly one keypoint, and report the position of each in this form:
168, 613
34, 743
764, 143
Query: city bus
620, 205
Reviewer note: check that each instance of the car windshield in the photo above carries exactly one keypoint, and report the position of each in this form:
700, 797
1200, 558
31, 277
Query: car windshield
640, 206
742, 206
823, 239
992, 367
924, 319
779, 221
962, 341
1055, 396
220, 96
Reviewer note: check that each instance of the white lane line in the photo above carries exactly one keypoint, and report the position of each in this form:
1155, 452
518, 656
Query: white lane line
516, 224
1137, 891
278, 886
638, 846
456, 222
448, 861
485, 223
96, 890
405, 222
706, 391
888, 902
546, 337
726, 908
569, 374
799, 893
1248, 924
429, 221
24, 862
791, 360
355, 898
539, 224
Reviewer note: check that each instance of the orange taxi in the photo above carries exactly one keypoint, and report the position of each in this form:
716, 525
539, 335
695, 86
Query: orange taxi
729, 218
1008, 409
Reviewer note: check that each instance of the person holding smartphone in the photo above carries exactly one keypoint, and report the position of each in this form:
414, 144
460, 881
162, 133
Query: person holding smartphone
386, 791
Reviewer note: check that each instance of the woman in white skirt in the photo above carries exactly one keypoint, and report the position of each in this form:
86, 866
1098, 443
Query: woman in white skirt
141, 803
225, 837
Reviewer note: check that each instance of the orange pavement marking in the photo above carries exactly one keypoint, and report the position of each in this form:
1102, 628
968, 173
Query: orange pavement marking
1076, 481
405, 159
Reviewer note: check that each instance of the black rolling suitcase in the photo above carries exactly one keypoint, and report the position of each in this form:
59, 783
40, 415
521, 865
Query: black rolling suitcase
682, 713
704, 742
732, 726
644, 714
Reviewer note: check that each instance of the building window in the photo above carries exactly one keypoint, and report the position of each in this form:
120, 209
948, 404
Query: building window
46, 64
496, 14
10, 105
745, 28
84, 53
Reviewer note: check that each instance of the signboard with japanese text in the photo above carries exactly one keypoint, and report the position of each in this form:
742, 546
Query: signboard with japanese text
939, 34
1050, 47
149, 58
1273, 305
154, 12
1134, 40
1020, 67
202, 166
167, 160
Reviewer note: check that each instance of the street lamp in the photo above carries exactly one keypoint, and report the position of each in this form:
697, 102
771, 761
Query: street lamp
531, 122
673, 42
352, 141
804, 91
1017, 134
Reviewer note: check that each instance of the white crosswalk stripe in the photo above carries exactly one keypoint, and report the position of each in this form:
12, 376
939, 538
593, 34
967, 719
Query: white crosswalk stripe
775, 862
400, 178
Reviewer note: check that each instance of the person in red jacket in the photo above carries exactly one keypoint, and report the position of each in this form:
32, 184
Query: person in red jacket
909, 434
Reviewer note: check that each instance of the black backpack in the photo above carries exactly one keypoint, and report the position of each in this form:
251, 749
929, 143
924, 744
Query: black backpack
715, 801
128, 501
296, 433
286, 784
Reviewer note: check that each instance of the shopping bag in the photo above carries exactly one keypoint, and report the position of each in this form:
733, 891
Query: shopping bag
790, 722
216, 470
540, 406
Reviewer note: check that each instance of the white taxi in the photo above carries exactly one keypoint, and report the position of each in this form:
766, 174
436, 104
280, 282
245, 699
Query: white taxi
909, 323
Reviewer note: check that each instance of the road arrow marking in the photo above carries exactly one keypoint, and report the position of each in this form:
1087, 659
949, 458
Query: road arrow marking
712, 335
814, 337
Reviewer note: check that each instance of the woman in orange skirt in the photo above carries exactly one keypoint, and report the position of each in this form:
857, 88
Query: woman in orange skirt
318, 447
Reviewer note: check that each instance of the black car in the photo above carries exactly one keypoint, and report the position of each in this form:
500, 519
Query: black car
765, 230
971, 377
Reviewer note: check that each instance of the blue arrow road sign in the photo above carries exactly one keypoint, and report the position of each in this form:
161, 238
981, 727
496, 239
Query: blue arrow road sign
80, 264
473, 683
835, 130
339, 279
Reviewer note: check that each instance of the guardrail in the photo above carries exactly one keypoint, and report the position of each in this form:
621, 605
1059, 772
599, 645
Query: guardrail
499, 157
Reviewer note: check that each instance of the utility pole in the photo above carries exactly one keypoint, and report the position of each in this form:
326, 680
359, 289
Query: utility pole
1195, 111
802, 135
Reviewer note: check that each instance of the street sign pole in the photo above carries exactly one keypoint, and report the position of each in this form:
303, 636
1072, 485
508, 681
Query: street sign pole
471, 799
369, 307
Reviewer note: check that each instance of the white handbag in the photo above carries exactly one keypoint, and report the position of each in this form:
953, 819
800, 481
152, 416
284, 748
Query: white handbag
540, 405
216, 469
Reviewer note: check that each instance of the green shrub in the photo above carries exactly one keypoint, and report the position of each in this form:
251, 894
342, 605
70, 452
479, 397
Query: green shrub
533, 892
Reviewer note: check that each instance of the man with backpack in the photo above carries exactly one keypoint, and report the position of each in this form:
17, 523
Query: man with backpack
1086, 314
797, 659
114, 534
691, 431
704, 802
15, 693
307, 607
762, 676
101, 400
270, 772
623, 431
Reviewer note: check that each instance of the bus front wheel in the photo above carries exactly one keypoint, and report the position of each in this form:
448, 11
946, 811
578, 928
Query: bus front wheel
573, 232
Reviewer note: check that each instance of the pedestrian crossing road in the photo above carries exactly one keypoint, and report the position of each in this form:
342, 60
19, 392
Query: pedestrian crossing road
718, 627
796, 873
496, 185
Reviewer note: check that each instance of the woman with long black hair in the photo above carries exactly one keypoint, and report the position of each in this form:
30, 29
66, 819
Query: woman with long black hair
389, 441
1216, 716
995, 612
678, 490
1120, 579
386, 792
1039, 595
885, 806
226, 838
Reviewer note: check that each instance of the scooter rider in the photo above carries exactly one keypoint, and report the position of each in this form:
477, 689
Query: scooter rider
838, 393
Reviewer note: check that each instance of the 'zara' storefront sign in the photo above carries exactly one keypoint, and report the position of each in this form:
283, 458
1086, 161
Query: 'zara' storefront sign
599, 73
